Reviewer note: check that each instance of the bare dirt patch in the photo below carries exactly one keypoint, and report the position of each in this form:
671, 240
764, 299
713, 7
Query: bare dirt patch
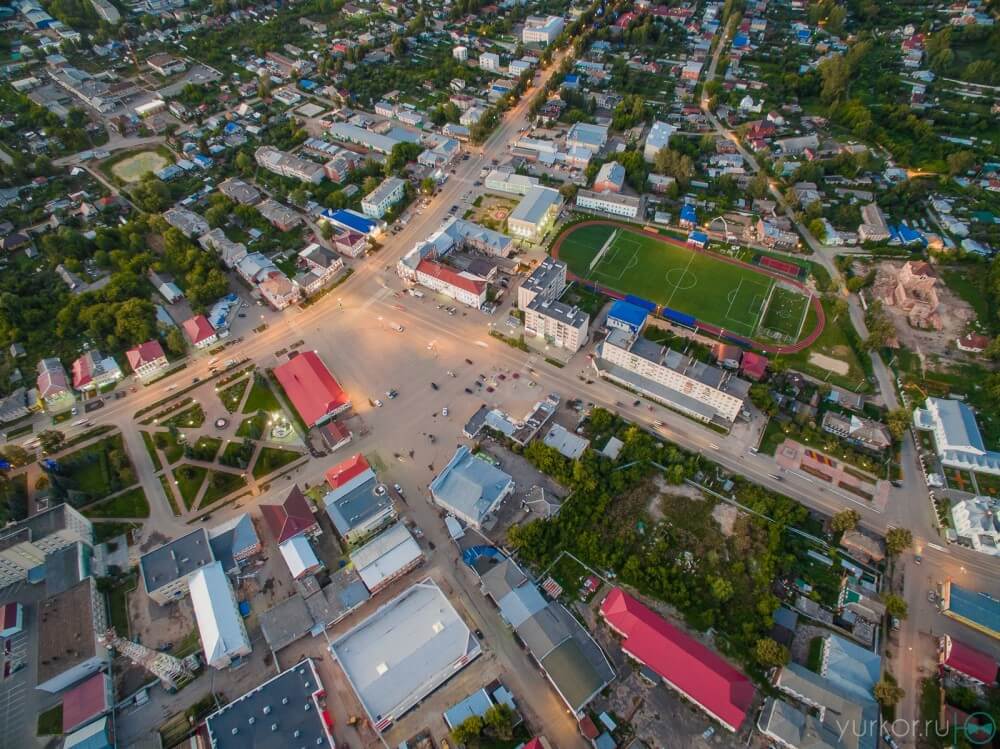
828, 362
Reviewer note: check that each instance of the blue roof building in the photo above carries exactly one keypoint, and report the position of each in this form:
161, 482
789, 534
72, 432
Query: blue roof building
470, 488
476, 704
977, 610
351, 220
627, 316
688, 215
741, 41
698, 238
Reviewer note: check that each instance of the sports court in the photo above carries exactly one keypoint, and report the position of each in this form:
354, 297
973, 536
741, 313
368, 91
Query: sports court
736, 298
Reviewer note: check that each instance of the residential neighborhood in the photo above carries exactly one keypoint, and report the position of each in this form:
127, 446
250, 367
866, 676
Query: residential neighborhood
525, 375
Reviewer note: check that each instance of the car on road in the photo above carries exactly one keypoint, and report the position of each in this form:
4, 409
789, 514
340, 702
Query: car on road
378, 403
479, 634
444, 411
399, 490
708, 733
390, 394
468, 361
469, 391
918, 559
434, 386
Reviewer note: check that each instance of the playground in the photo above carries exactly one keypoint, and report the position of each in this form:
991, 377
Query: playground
723, 294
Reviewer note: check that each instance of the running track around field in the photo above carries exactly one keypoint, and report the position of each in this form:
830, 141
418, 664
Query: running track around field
771, 348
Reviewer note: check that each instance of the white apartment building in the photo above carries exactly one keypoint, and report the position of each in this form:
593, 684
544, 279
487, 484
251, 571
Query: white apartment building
460, 53
378, 202
489, 61
288, 165
24, 545
535, 214
976, 521
546, 282
701, 391
560, 324
541, 29
659, 136
509, 183
626, 206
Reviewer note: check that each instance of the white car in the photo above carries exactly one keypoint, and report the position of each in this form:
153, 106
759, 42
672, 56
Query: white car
378, 404
444, 411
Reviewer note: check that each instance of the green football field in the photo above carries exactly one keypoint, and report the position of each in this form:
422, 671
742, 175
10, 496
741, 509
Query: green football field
729, 296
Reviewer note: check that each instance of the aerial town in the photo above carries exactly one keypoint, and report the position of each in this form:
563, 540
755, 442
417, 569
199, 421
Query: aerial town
533, 374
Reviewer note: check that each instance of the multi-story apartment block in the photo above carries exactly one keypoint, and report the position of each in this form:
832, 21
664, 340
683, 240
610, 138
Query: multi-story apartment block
25, 544
699, 390
378, 202
547, 282
560, 324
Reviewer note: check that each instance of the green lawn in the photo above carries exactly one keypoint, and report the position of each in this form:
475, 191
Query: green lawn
89, 470
784, 313
188, 418
261, 399
729, 296
232, 395
118, 604
967, 283
106, 531
50, 722
271, 459
130, 504
253, 426
165, 483
147, 440
189, 480
171, 447
221, 484
834, 342
206, 448
237, 454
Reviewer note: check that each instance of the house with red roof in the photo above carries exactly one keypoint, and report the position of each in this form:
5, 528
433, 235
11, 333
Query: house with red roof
753, 366
973, 664
89, 699
343, 474
200, 331
147, 359
92, 371
693, 670
312, 389
293, 517
461, 286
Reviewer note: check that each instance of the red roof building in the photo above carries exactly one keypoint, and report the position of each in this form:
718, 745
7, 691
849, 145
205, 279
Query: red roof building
967, 661
468, 290
753, 366
588, 729
343, 473
146, 356
696, 672
314, 392
199, 331
87, 700
291, 518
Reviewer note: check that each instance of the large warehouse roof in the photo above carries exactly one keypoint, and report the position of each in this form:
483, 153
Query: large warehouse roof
313, 390
404, 651
288, 701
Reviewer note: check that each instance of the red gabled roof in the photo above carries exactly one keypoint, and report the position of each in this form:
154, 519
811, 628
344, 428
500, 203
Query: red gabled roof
349, 469
291, 517
446, 274
198, 329
312, 389
86, 700
144, 353
754, 365
697, 672
971, 662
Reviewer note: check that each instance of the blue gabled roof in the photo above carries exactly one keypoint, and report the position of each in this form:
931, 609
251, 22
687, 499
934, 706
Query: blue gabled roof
629, 314
698, 237
352, 220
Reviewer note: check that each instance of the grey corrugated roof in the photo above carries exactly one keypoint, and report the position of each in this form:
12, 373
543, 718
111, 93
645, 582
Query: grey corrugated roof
469, 485
176, 559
